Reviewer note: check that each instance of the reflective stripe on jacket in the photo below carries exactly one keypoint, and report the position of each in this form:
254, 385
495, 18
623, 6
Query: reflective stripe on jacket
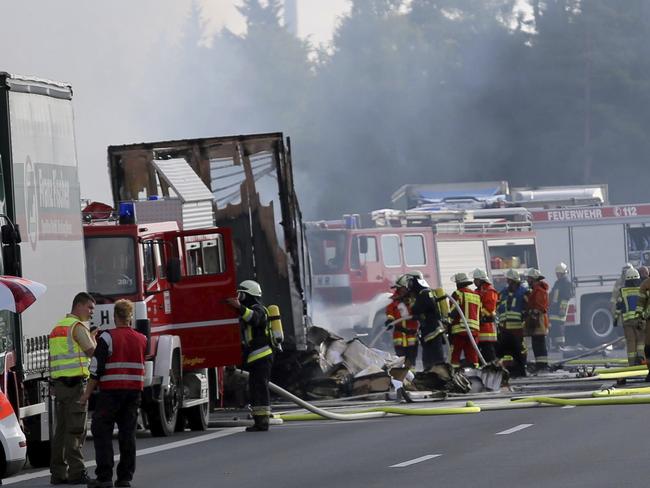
257, 332
405, 334
560, 295
67, 360
124, 369
470, 302
626, 304
511, 307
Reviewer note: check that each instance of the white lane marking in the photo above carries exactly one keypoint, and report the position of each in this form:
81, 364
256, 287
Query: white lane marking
514, 429
569, 406
415, 461
141, 452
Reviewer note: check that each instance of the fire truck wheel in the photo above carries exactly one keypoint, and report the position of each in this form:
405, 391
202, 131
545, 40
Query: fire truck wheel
197, 417
597, 322
162, 415
38, 453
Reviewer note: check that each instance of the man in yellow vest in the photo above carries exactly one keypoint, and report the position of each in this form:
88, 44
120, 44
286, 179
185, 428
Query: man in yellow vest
71, 346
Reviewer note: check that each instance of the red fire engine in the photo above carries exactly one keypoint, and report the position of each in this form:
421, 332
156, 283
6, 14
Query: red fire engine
354, 265
178, 281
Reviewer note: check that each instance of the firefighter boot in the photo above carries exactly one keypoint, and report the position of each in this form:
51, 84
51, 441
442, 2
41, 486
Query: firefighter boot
261, 424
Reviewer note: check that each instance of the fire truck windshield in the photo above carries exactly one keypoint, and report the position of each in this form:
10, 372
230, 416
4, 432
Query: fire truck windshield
327, 250
110, 265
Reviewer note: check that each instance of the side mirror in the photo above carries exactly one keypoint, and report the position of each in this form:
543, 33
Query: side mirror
174, 270
363, 245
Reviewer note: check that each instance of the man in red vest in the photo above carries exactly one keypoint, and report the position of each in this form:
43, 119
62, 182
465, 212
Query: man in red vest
488, 328
117, 367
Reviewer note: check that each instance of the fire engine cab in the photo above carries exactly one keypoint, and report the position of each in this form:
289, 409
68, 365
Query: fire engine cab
178, 280
354, 264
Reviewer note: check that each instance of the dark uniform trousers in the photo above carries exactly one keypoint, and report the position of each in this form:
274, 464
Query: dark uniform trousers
67, 461
511, 342
121, 407
433, 352
258, 384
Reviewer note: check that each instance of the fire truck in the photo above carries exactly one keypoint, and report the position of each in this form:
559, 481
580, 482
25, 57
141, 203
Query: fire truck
595, 242
355, 264
178, 280
574, 224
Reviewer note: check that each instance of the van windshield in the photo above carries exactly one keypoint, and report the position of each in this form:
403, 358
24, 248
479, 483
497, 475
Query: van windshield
110, 265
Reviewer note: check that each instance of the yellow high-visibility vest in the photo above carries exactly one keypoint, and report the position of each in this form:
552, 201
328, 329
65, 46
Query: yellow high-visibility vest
67, 360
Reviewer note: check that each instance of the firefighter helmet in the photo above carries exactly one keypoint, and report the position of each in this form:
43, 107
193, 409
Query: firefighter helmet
479, 274
632, 274
561, 268
250, 287
402, 281
513, 275
534, 274
460, 278
626, 267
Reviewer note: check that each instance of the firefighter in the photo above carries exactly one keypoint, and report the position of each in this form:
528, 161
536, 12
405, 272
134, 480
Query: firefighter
512, 304
259, 350
405, 333
70, 347
426, 310
617, 286
537, 322
488, 327
643, 315
117, 367
561, 293
469, 302
626, 307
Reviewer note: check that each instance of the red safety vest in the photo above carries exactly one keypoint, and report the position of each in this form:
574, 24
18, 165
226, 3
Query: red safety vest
125, 364
489, 301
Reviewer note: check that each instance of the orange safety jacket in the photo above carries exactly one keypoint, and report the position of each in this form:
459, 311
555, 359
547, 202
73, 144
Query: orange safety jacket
538, 302
405, 334
489, 302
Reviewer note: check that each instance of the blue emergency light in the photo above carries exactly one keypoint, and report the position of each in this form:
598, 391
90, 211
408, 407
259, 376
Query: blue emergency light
127, 212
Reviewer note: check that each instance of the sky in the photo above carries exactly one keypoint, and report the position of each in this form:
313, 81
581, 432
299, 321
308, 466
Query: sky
103, 51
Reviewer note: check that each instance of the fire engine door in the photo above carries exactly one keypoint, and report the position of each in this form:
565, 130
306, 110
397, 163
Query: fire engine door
366, 273
207, 326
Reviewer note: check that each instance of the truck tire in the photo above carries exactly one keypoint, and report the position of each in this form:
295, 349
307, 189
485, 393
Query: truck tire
597, 322
38, 453
197, 417
162, 414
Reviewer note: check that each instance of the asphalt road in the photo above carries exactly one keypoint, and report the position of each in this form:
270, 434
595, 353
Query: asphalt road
539, 447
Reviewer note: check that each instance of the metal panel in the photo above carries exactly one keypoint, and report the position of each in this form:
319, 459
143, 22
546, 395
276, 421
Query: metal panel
598, 250
198, 215
196, 197
553, 247
456, 257
183, 179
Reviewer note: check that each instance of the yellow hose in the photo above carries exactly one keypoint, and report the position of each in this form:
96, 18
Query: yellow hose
610, 392
622, 375
621, 370
584, 402
597, 361
287, 417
